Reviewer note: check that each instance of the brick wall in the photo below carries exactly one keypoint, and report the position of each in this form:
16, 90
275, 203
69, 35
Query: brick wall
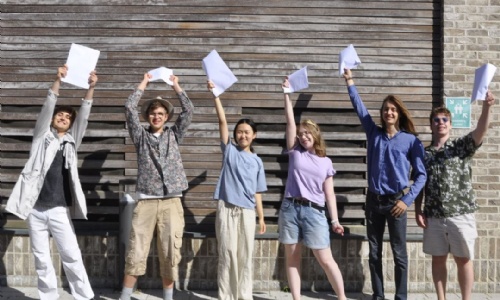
472, 38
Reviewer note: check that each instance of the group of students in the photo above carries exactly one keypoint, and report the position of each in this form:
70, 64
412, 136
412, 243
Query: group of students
398, 169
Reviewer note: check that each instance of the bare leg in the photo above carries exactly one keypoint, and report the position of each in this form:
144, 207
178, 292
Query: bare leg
168, 284
129, 281
440, 275
465, 272
325, 259
293, 255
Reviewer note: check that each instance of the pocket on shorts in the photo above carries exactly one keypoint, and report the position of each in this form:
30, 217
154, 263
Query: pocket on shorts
319, 213
177, 247
286, 205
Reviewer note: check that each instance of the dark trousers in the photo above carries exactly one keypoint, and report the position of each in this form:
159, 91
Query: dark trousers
377, 212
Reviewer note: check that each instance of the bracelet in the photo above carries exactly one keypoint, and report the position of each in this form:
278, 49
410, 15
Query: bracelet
348, 78
333, 222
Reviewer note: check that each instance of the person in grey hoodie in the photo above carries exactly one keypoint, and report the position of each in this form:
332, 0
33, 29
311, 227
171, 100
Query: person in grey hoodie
49, 186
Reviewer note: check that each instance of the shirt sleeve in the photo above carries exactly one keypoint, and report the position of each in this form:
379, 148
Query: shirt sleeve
44, 119
466, 145
261, 178
186, 116
418, 173
360, 108
132, 116
330, 171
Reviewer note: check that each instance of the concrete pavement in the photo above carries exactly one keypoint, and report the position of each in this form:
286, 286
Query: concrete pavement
30, 293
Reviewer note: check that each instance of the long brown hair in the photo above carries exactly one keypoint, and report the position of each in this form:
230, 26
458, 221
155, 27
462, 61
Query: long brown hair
319, 143
404, 120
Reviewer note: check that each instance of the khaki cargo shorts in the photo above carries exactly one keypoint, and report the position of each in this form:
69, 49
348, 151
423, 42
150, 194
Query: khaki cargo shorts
167, 216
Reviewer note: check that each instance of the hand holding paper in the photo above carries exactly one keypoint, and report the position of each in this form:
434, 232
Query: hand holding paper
62, 72
297, 81
218, 72
161, 73
482, 80
348, 58
80, 63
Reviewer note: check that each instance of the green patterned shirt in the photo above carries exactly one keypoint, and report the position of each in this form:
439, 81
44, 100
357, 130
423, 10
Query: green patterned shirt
448, 191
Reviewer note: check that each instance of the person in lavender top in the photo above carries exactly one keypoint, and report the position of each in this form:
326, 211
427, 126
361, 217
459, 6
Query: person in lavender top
309, 190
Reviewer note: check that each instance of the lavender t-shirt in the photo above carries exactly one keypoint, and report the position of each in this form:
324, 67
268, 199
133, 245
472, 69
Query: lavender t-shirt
306, 174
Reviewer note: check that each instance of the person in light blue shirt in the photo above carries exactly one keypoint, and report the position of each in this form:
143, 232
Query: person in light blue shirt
395, 155
238, 192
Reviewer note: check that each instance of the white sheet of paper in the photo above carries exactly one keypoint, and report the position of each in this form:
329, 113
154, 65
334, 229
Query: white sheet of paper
81, 61
297, 81
218, 72
482, 80
161, 73
348, 58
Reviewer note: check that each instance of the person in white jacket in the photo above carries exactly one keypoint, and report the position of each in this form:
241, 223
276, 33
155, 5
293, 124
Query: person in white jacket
49, 185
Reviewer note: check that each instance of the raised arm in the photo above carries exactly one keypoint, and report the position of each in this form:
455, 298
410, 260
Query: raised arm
358, 105
291, 127
82, 118
92, 82
187, 109
131, 114
484, 120
348, 77
223, 129
45, 117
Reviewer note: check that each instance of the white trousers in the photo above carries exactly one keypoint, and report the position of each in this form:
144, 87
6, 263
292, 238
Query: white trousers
57, 222
235, 231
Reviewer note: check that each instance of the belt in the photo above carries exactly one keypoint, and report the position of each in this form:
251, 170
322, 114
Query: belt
387, 197
305, 202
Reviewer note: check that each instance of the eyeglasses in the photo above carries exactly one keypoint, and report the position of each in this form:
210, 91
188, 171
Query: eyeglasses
157, 114
304, 133
437, 119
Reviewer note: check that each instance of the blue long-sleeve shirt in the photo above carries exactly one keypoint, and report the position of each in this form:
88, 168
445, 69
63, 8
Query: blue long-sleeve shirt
390, 159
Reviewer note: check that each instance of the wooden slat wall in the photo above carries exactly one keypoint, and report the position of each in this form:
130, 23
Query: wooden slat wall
261, 41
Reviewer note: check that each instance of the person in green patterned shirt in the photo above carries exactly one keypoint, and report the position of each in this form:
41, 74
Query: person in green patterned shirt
448, 216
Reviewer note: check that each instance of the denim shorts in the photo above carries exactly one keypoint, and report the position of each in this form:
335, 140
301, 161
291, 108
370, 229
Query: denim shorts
303, 223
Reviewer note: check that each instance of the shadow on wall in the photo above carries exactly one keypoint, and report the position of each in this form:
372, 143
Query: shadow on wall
198, 266
6, 240
102, 199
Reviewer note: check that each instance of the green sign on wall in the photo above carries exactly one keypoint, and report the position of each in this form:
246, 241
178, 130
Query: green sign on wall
460, 111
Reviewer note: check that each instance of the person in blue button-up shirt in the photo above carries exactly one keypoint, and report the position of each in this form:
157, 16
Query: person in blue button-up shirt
395, 155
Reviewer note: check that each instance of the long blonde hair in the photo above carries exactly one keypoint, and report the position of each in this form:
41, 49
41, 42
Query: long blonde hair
319, 143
